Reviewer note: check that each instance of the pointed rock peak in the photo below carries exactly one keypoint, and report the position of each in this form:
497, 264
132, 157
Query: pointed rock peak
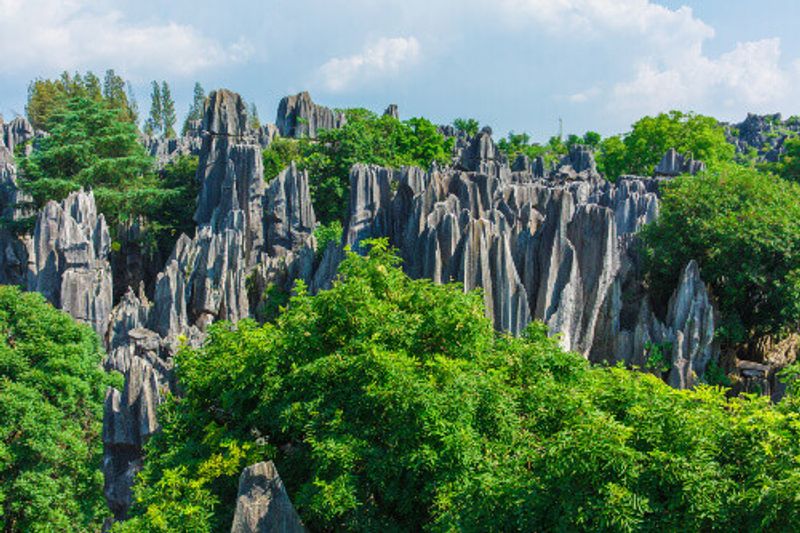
262, 504
298, 116
225, 114
392, 111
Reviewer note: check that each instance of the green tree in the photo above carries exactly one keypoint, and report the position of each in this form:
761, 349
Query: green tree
196, 108
88, 147
788, 167
47, 98
469, 126
253, 121
365, 138
743, 227
51, 407
91, 85
612, 158
390, 404
155, 122
698, 136
167, 111
116, 95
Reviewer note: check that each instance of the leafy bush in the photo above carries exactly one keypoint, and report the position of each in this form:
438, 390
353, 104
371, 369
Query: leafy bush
51, 405
390, 404
365, 138
468, 126
743, 228
700, 136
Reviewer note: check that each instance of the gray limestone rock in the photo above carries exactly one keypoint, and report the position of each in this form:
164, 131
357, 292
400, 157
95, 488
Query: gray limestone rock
690, 318
392, 111
674, 164
68, 259
262, 505
298, 116
17, 132
289, 213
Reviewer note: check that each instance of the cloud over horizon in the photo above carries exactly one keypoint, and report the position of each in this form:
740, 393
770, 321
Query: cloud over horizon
514, 64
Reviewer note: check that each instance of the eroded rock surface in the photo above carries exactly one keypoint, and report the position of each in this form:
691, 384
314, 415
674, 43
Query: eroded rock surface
263, 506
299, 116
68, 259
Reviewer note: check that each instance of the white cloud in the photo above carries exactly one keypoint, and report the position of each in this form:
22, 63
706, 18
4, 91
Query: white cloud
584, 96
385, 57
662, 49
77, 34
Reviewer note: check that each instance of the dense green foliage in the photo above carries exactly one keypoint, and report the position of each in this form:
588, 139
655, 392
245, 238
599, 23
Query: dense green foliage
516, 144
788, 167
365, 138
468, 126
162, 118
196, 108
48, 98
390, 404
698, 136
51, 405
90, 147
743, 227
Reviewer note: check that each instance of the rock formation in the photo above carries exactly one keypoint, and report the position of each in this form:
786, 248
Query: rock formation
263, 506
17, 132
556, 248
68, 259
299, 116
674, 164
244, 227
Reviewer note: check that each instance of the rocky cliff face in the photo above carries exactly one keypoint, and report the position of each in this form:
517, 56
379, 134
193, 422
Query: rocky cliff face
556, 248
68, 259
243, 226
298, 116
763, 133
263, 506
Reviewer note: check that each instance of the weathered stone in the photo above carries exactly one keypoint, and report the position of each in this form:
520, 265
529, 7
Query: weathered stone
392, 111
674, 164
68, 259
691, 320
17, 132
289, 214
299, 116
263, 506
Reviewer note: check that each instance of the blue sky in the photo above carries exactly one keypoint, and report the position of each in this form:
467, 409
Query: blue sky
513, 64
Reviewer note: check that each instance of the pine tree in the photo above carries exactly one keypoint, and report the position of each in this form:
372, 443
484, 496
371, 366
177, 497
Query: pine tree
196, 109
252, 117
91, 84
133, 105
116, 96
156, 120
167, 111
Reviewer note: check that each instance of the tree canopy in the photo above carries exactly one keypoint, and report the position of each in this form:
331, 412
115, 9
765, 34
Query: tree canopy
51, 407
89, 146
365, 138
743, 228
698, 136
48, 98
390, 404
